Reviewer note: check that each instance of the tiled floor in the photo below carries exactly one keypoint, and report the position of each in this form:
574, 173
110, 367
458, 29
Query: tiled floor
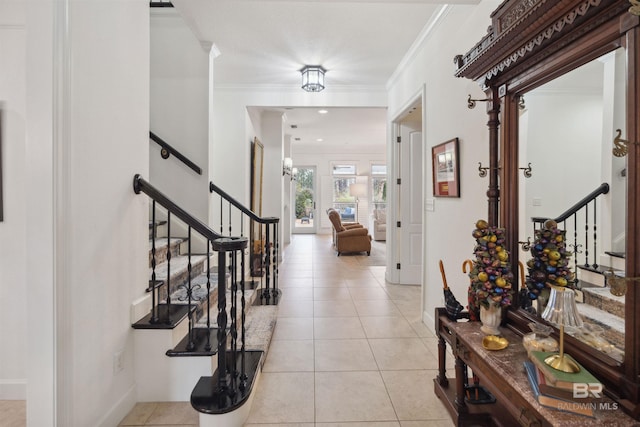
348, 350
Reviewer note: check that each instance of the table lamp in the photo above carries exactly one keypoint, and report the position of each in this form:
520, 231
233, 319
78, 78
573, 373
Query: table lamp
562, 310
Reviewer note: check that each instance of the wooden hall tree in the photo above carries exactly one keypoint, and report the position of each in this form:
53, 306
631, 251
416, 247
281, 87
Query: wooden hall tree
530, 43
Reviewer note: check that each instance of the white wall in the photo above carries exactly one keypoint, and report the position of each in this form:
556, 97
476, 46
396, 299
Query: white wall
86, 229
447, 229
179, 111
13, 251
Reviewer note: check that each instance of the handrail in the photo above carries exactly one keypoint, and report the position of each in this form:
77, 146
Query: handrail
262, 220
140, 185
602, 189
168, 150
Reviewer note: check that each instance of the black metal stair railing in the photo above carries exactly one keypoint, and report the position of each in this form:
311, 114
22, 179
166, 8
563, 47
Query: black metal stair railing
231, 384
573, 219
264, 245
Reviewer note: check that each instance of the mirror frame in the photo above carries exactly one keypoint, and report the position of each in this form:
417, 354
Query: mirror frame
530, 43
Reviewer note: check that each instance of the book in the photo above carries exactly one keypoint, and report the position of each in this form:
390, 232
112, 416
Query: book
564, 380
572, 406
561, 393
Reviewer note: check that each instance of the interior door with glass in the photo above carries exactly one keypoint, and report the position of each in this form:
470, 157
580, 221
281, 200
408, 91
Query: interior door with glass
304, 201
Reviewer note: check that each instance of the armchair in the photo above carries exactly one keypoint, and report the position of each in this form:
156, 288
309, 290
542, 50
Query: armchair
350, 237
379, 224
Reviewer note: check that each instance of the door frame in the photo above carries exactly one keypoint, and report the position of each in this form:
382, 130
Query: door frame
313, 229
394, 237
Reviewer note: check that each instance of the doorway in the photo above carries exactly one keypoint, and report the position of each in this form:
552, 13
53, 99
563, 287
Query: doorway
408, 152
304, 201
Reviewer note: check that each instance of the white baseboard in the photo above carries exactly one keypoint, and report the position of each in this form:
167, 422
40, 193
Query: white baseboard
13, 389
120, 409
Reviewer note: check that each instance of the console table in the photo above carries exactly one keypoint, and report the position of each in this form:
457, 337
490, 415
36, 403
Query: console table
502, 374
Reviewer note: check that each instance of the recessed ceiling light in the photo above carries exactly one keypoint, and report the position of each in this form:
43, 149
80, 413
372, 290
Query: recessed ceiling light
323, 111
319, 139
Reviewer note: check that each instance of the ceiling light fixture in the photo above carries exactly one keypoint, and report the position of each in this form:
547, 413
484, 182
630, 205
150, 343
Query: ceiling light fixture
313, 78
323, 111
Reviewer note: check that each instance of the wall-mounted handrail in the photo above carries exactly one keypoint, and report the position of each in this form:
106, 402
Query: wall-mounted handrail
168, 150
140, 185
252, 215
602, 189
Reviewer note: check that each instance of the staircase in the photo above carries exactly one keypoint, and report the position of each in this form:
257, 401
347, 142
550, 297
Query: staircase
602, 311
182, 319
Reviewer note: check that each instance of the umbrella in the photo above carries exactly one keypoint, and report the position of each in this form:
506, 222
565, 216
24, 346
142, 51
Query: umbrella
452, 306
525, 301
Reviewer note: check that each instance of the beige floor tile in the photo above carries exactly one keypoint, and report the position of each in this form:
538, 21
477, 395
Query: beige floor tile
404, 292
331, 294
178, 413
352, 396
367, 424
428, 423
421, 329
295, 308
334, 309
410, 398
368, 293
289, 356
281, 425
383, 307
293, 328
337, 328
329, 282
139, 415
387, 327
13, 413
402, 354
297, 294
283, 398
344, 355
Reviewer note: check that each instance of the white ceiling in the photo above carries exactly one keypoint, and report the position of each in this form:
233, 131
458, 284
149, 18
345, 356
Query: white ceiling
267, 42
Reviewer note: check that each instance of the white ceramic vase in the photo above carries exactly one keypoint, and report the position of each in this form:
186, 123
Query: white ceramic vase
490, 318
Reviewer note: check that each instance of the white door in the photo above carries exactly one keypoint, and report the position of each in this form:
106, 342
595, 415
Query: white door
304, 201
410, 207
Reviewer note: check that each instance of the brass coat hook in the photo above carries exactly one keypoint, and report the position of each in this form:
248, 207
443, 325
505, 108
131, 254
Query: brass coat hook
526, 245
471, 103
482, 170
526, 171
620, 146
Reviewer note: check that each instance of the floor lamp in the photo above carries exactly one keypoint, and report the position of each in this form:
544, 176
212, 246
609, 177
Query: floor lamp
357, 190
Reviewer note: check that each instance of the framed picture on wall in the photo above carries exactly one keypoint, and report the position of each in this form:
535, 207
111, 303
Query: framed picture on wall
446, 169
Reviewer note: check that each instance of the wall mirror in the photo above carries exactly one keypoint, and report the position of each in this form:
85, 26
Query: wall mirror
565, 132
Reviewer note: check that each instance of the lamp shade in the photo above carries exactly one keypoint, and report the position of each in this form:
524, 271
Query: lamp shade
313, 78
357, 190
561, 308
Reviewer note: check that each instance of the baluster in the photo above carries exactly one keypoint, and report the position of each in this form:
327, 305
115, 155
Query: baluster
595, 234
230, 233
207, 346
243, 371
154, 306
168, 318
267, 264
234, 320
275, 260
221, 211
586, 237
575, 246
190, 345
223, 377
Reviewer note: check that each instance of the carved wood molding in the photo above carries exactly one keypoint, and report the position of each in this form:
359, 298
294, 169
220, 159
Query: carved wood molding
521, 29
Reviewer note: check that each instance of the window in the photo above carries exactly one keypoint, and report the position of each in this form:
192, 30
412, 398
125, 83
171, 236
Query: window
379, 186
344, 175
